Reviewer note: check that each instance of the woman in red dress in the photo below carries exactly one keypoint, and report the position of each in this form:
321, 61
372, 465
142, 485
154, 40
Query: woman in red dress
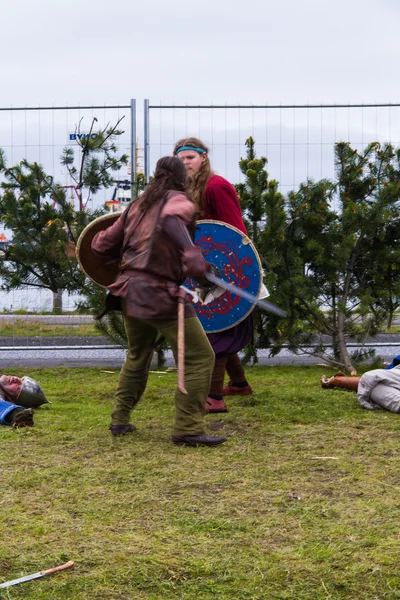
215, 198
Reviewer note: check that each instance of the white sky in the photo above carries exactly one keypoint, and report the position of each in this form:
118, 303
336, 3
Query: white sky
199, 51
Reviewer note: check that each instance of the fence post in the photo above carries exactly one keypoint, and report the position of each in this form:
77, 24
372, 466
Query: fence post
147, 140
133, 149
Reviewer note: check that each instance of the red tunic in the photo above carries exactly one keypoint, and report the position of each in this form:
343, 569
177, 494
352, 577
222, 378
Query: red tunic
221, 203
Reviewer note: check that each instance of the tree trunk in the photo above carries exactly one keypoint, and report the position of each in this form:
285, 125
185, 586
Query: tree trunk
161, 360
344, 355
57, 301
391, 314
255, 233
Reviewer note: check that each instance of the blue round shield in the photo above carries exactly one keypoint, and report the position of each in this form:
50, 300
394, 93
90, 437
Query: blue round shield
238, 263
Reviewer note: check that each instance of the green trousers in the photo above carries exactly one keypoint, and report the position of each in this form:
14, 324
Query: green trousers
199, 364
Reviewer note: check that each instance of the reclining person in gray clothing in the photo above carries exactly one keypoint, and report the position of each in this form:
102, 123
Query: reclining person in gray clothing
379, 388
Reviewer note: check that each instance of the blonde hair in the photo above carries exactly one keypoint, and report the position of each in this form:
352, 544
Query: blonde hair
196, 184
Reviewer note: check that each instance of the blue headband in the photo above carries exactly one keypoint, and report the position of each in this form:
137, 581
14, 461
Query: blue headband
201, 150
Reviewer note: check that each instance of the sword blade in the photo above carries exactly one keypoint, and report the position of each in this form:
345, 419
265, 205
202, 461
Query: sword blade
268, 306
21, 579
67, 565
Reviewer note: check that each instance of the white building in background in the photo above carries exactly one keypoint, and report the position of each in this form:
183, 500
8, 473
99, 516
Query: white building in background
121, 197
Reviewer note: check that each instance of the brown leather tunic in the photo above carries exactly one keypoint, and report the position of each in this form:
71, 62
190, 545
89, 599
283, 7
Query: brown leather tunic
151, 268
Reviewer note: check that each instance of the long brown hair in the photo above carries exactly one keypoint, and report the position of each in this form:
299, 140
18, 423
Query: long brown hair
170, 174
196, 184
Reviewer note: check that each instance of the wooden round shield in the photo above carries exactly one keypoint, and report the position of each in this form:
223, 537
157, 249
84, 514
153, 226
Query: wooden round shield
237, 260
89, 262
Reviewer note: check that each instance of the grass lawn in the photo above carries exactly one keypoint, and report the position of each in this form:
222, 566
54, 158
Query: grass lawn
41, 329
302, 501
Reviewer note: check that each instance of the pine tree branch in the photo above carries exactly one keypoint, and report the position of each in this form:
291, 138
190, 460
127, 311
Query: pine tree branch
111, 132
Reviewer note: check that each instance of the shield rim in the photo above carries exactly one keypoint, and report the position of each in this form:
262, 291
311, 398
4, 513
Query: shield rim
83, 235
250, 243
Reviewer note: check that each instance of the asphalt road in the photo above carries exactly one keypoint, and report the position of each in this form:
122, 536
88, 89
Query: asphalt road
74, 351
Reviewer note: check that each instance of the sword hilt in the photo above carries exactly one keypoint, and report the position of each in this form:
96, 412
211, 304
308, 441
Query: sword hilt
268, 306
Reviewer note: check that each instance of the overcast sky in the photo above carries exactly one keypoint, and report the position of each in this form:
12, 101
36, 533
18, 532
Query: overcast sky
199, 51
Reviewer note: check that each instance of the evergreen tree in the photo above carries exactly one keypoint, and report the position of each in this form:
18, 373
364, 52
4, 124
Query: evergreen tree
253, 194
253, 191
320, 243
44, 228
379, 263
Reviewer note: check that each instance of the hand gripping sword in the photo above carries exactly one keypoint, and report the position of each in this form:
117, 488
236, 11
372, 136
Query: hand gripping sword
268, 306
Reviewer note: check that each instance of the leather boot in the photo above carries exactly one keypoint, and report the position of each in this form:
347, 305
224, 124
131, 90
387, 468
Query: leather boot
198, 440
21, 417
117, 430
215, 406
233, 390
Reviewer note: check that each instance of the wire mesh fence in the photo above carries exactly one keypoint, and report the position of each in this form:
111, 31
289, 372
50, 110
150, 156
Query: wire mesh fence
40, 134
298, 142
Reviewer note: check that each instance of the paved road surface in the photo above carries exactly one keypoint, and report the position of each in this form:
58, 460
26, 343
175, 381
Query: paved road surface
73, 351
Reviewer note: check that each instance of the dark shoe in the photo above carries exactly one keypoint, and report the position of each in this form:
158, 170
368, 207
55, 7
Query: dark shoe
22, 417
234, 390
198, 440
215, 406
122, 429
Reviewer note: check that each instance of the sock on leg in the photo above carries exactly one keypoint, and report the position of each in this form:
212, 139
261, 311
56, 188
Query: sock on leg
216, 396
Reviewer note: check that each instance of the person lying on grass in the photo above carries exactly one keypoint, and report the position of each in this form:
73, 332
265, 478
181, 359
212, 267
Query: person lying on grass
379, 388
18, 397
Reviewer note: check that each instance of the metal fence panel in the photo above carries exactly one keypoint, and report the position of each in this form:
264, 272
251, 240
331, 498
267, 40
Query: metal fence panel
298, 140
39, 134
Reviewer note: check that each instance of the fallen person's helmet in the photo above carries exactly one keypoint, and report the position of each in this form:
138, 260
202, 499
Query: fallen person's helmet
31, 394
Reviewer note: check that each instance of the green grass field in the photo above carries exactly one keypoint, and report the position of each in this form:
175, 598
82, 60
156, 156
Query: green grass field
302, 501
41, 329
